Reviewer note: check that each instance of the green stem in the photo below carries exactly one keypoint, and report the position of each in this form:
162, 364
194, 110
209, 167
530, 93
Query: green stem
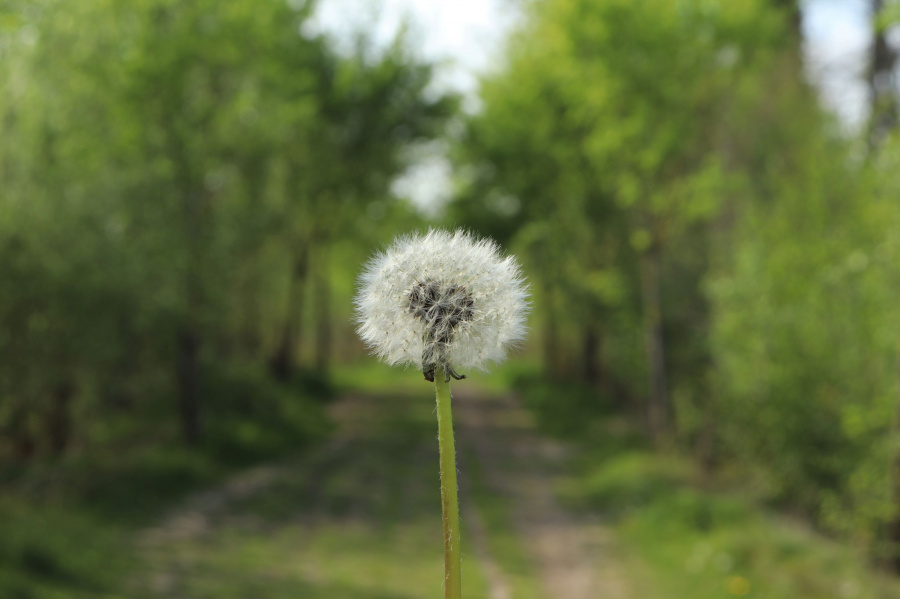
449, 495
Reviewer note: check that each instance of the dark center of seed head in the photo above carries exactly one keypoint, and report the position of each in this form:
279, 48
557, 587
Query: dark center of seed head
443, 308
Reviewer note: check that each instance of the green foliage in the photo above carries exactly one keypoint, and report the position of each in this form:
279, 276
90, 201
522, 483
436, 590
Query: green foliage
178, 180
257, 418
227, 153
700, 235
633, 480
807, 364
355, 518
686, 540
617, 124
721, 546
75, 556
503, 542
562, 408
188, 189
68, 527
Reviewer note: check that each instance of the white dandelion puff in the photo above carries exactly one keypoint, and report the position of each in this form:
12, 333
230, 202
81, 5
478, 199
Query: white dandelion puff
442, 300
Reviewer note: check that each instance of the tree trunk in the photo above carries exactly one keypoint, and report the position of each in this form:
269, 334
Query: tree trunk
251, 317
551, 337
706, 440
287, 355
21, 438
59, 422
590, 355
794, 16
189, 337
883, 100
892, 551
792, 63
188, 366
323, 318
251, 342
195, 207
893, 528
658, 404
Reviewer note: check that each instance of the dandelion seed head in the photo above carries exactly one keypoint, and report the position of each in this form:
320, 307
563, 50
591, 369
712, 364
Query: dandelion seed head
441, 299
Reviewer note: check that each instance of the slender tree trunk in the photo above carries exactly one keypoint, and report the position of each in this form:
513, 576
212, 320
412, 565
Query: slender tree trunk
287, 355
706, 440
323, 317
792, 63
22, 440
118, 396
249, 336
794, 16
189, 337
884, 104
195, 206
254, 169
59, 423
189, 384
590, 353
551, 336
658, 405
251, 341
893, 528
892, 532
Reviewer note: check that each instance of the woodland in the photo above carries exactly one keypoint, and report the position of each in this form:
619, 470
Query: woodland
189, 189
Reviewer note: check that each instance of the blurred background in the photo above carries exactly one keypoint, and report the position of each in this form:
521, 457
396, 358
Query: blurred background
704, 196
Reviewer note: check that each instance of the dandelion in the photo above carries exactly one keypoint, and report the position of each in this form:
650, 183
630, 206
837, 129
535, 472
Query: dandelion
443, 302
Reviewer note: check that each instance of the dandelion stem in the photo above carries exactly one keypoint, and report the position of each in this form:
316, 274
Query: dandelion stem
449, 494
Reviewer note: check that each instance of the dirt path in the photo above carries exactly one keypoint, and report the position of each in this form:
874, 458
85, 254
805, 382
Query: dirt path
575, 556
378, 472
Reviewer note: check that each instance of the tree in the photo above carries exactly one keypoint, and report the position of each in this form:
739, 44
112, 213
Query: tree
372, 111
615, 125
225, 143
884, 88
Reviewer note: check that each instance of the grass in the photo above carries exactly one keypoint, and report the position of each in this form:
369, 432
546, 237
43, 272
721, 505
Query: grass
687, 536
348, 561
359, 518
504, 544
49, 553
703, 544
374, 377
359, 515
67, 526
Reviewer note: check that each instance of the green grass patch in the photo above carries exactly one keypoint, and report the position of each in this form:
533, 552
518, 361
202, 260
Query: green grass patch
687, 542
49, 554
67, 525
504, 544
359, 518
371, 376
686, 535
563, 408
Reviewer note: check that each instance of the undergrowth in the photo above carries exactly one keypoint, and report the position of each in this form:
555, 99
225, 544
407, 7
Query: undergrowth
67, 524
690, 534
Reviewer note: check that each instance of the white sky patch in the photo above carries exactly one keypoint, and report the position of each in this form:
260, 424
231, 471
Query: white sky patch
428, 184
838, 38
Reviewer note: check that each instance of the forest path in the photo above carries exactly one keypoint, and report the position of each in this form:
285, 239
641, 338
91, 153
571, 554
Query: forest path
359, 517
574, 554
